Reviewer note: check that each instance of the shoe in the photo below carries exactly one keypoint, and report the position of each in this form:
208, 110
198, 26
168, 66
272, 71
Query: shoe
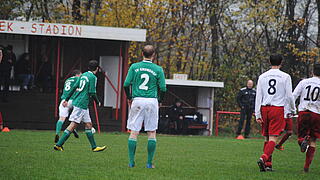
56, 138
279, 147
306, 170
131, 165
75, 133
247, 137
150, 166
304, 144
261, 165
98, 149
269, 169
58, 148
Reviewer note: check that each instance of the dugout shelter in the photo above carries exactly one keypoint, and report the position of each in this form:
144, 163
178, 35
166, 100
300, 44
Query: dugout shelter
68, 47
195, 96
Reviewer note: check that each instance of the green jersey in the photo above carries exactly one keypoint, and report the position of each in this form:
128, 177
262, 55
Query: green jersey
68, 84
85, 87
145, 78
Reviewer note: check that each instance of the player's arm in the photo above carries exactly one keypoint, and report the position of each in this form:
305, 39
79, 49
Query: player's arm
162, 85
93, 91
289, 96
258, 101
128, 82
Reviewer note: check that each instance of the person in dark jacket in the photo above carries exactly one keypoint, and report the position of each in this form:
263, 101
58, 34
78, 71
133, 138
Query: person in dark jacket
45, 74
246, 100
5, 69
176, 115
23, 71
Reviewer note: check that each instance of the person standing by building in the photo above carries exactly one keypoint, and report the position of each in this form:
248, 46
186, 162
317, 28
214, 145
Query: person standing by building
246, 100
5, 69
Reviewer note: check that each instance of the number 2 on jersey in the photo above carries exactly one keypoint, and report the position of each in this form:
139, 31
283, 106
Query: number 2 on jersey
145, 82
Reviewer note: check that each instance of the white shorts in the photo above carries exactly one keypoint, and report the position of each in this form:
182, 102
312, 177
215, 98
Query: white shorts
143, 110
79, 115
64, 111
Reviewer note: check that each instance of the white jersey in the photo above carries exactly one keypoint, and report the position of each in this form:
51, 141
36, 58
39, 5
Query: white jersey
274, 88
309, 92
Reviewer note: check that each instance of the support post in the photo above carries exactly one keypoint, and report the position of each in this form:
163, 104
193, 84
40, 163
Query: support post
57, 79
123, 95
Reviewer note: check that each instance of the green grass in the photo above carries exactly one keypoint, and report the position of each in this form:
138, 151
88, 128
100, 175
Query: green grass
30, 155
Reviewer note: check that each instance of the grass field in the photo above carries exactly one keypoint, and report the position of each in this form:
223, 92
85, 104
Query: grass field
30, 155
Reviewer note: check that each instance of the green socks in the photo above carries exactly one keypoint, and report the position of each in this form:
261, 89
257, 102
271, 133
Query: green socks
91, 138
59, 126
64, 137
132, 144
152, 143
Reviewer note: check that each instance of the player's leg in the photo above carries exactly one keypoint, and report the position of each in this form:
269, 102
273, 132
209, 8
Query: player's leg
285, 137
151, 125
241, 121
152, 144
88, 131
132, 146
304, 120
63, 114
248, 123
310, 154
134, 123
70, 107
65, 136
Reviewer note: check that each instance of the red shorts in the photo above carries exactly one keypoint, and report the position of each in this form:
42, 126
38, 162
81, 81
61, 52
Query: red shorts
273, 120
308, 124
289, 124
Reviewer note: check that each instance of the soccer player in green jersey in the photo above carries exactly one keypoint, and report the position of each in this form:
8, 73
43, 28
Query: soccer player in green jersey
86, 89
144, 78
64, 111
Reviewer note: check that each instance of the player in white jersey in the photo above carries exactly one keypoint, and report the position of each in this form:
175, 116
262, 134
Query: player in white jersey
273, 89
309, 114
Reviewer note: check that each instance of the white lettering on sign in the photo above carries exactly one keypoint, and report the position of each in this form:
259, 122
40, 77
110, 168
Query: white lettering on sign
71, 30
180, 76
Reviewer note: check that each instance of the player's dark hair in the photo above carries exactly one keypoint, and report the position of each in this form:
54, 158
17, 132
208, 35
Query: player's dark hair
316, 69
76, 72
93, 64
275, 60
148, 51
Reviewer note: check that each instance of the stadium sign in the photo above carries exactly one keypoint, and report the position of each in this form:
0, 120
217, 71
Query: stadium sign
71, 30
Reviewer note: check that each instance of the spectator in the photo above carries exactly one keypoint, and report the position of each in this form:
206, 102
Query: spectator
11, 57
246, 100
23, 71
5, 67
45, 74
176, 115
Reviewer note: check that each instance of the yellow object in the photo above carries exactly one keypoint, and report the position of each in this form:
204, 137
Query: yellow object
98, 149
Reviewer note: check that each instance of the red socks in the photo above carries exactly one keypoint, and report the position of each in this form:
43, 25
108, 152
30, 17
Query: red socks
269, 161
268, 150
284, 138
309, 157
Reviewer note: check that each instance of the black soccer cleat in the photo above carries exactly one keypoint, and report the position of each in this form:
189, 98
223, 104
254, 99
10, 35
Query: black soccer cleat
306, 170
304, 144
261, 165
75, 133
56, 138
